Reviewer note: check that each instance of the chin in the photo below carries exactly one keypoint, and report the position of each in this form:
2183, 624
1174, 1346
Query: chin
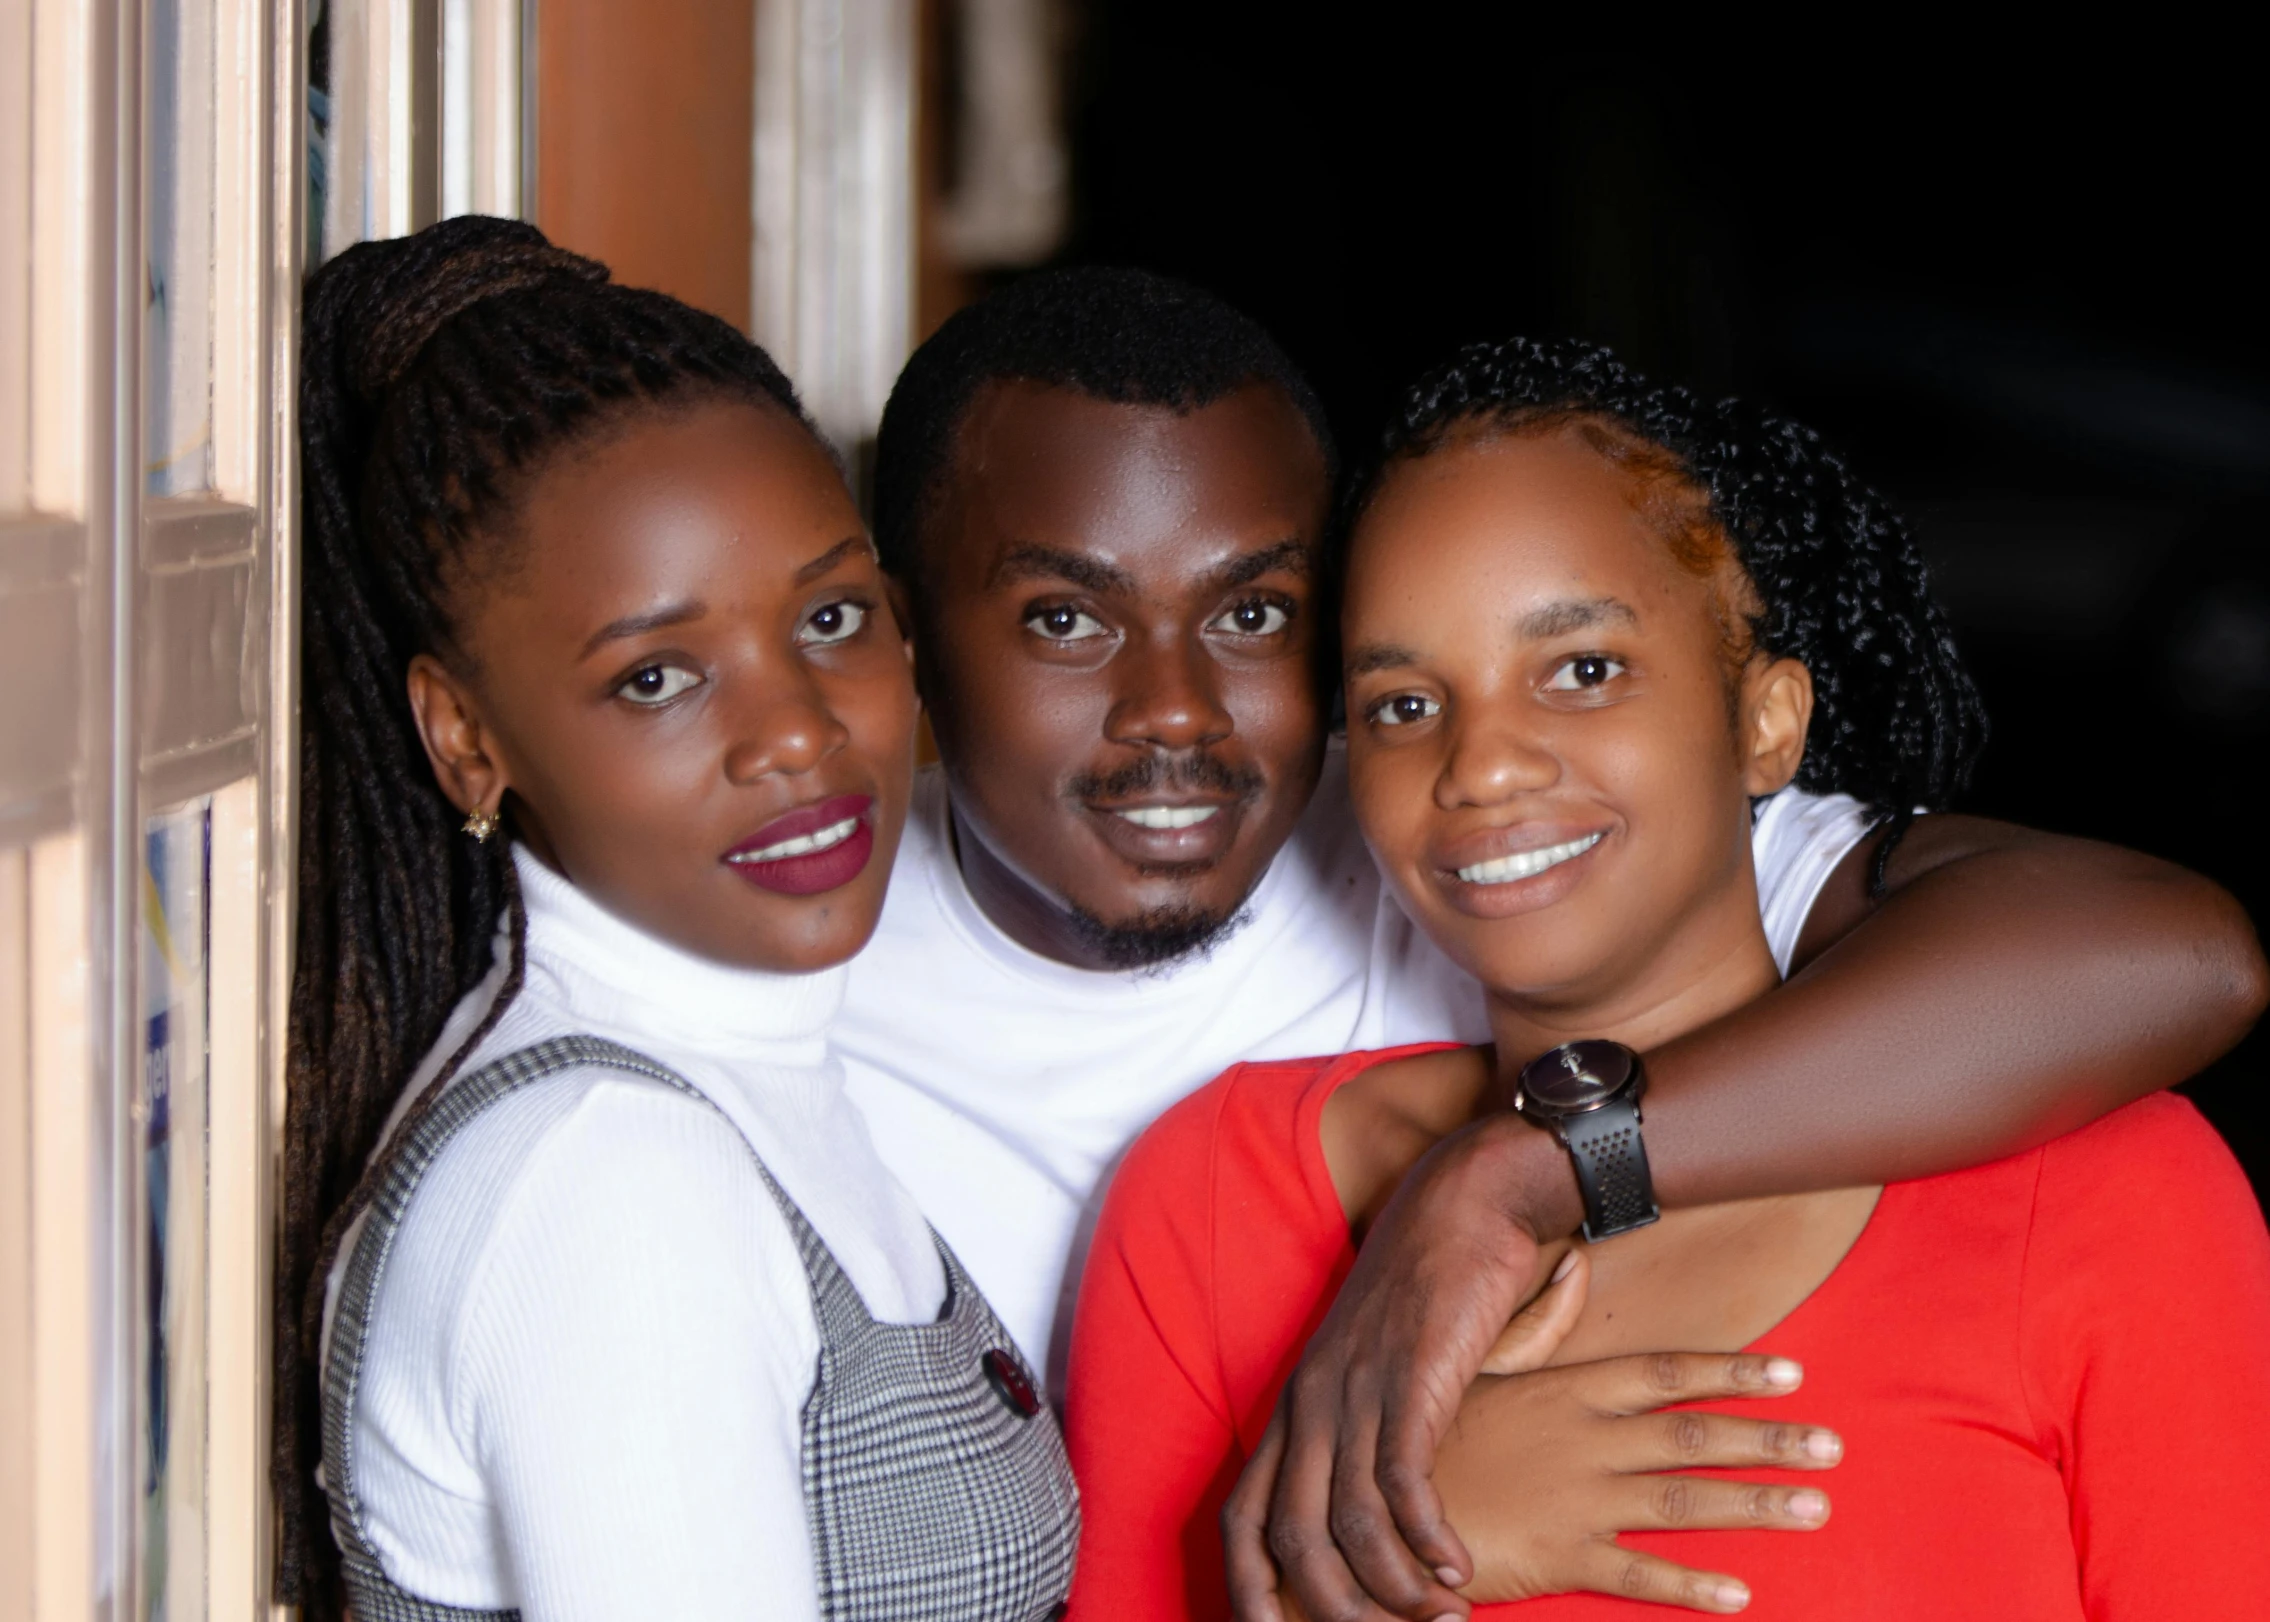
1546, 966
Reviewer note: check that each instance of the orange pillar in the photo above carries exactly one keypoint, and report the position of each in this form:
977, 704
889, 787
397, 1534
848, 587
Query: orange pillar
644, 133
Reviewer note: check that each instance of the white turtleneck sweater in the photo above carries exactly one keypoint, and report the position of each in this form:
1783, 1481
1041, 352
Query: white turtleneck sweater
589, 1355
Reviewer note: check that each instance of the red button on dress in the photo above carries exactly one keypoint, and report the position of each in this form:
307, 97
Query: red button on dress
1007, 1378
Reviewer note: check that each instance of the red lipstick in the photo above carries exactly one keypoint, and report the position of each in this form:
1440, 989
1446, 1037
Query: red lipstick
813, 848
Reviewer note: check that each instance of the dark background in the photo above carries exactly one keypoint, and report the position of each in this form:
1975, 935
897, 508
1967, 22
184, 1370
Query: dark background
2023, 293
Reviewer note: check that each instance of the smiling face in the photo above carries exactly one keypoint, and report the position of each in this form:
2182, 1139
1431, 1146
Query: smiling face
686, 684
1550, 748
1120, 659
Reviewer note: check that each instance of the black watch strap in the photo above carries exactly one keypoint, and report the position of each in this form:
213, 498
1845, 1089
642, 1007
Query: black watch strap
1611, 1168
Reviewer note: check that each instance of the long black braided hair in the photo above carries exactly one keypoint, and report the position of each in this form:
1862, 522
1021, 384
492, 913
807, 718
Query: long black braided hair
439, 374
1840, 584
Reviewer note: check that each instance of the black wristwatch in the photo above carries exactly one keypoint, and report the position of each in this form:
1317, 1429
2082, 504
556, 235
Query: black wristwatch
1587, 1095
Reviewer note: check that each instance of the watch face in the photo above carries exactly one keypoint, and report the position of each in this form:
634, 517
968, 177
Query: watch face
1577, 1077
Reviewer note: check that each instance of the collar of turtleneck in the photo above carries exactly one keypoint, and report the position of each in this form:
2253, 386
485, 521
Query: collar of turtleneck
619, 982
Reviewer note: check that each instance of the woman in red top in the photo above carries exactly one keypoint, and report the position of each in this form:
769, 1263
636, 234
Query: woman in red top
1569, 607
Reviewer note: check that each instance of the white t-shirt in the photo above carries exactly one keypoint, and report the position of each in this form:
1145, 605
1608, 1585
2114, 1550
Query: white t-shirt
1002, 1086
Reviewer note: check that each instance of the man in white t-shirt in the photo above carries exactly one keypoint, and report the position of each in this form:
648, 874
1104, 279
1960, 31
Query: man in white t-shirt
1105, 496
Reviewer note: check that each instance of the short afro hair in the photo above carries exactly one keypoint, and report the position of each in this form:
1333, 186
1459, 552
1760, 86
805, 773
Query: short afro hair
1117, 334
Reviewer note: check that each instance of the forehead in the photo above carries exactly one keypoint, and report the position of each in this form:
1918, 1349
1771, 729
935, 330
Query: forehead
1147, 488
709, 486
1505, 524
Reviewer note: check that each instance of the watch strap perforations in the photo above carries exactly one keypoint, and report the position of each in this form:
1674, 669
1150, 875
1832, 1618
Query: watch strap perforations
1610, 1160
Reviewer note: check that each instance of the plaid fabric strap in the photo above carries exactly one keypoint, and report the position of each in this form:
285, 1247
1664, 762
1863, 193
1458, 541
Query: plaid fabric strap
935, 1485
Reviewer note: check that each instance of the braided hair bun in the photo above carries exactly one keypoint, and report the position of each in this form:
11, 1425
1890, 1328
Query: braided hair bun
1840, 584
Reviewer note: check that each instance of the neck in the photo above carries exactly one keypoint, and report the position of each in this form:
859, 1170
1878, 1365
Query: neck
1014, 906
624, 983
1714, 962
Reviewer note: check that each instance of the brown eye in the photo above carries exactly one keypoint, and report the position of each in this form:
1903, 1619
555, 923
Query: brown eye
1585, 670
657, 684
1401, 709
1062, 622
831, 623
1254, 617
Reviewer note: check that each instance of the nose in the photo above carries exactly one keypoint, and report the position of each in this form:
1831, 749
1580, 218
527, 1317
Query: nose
1491, 761
785, 730
1168, 696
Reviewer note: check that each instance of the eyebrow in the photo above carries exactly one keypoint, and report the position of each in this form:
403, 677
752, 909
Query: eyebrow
679, 613
1054, 563
829, 559
1373, 656
1554, 619
639, 624
1049, 562
1295, 557
1574, 614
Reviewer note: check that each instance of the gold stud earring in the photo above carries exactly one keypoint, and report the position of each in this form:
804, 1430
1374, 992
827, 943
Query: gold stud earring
481, 823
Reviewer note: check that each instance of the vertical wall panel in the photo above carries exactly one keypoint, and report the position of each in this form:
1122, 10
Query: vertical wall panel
236, 1358
15, 1236
833, 267
65, 1277
643, 122
15, 267
62, 269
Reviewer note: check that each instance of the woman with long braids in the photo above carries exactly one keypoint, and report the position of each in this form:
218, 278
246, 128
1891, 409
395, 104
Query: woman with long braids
594, 1298
1589, 626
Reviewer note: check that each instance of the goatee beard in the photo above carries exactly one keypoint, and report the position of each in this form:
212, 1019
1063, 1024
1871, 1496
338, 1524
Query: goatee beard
1158, 937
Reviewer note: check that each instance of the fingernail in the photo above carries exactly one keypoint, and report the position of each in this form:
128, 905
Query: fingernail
1561, 1267
1824, 1445
1809, 1505
1448, 1576
1781, 1371
1731, 1595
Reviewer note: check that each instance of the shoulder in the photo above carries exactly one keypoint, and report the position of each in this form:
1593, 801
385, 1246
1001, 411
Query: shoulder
2156, 1161
1797, 840
588, 1127
1184, 1143
1235, 1140
586, 1177
2143, 1227
1249, 1107
1248, 1138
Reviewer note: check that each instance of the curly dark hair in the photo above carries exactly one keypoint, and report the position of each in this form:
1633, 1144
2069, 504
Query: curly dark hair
1128, 336
439, 374
1840, 584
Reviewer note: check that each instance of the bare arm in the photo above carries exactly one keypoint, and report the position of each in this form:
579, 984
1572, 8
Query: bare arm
2009, 986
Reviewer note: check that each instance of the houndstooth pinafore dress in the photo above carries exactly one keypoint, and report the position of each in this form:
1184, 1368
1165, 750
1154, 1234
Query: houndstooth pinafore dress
935, 1482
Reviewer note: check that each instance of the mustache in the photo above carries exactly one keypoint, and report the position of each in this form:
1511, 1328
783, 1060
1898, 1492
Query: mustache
1193, 773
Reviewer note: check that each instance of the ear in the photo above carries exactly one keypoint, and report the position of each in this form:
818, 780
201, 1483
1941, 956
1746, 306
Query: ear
1777, 706
463, 754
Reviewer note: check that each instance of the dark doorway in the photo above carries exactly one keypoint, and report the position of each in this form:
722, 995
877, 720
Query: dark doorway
2020, 291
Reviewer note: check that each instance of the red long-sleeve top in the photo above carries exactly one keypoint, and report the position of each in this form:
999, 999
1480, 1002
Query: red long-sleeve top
2052, 1375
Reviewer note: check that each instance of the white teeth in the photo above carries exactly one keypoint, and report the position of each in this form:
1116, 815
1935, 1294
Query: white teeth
801, 845
1169, 816
1526, 864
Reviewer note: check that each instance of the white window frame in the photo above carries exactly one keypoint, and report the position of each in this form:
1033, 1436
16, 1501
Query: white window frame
157, 638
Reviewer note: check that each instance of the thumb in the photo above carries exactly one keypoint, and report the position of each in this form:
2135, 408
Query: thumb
1538, 1329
